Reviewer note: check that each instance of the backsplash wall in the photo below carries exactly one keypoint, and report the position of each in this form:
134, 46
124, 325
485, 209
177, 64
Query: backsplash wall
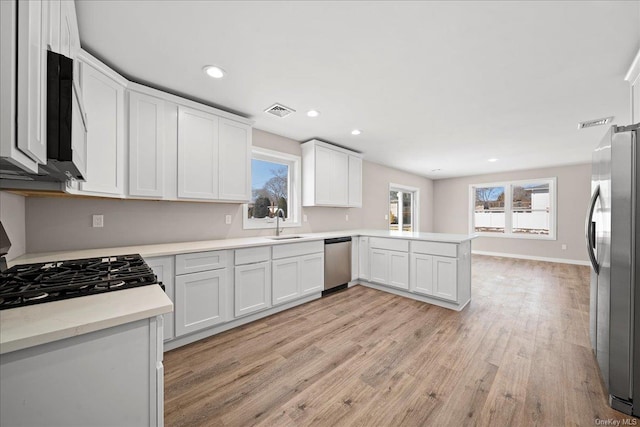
61, 223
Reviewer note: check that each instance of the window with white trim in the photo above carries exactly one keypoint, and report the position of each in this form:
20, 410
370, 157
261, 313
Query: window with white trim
403, 208
275, 184
520, 209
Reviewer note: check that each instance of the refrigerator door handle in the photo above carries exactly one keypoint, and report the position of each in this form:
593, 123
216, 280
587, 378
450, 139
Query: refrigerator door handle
590, 230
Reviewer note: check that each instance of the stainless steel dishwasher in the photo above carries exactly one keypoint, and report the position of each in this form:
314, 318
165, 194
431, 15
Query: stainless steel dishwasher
337, 263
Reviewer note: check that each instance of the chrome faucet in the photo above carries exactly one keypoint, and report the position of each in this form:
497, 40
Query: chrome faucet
279, 214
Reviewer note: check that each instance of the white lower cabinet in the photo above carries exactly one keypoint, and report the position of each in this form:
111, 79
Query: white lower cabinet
296, 277
445, 278
118, 367
200, 300
421, 269
389, 268
252, 288
399, 270
311, 273
434, 276
286, 280
163, 268
363, 258
379, 266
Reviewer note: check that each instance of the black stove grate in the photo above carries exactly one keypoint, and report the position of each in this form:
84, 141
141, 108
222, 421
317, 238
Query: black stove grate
44, 282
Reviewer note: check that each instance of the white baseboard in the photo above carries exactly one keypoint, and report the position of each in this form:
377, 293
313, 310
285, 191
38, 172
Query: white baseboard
534, 258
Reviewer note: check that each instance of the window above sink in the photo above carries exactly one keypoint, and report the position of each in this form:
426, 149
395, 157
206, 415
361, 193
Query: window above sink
275, 184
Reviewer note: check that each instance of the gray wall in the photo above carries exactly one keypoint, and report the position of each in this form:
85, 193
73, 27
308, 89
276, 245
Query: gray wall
55, 223
12, 216
451, 212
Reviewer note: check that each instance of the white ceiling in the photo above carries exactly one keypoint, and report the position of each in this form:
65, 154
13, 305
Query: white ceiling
432, 85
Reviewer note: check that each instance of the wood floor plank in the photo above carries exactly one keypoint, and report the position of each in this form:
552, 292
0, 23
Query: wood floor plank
518, 354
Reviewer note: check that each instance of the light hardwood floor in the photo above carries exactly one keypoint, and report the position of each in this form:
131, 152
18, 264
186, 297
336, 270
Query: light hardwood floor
519, 354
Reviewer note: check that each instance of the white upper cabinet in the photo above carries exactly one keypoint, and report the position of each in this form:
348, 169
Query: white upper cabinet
355, 181
69, 33
328, 178
63, 34
235, 160
214, 157
33, 37
198, 151
9, 150
331, 177
146, 146
103, 93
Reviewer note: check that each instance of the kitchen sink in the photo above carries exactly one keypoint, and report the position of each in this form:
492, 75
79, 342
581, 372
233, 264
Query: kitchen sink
284, 237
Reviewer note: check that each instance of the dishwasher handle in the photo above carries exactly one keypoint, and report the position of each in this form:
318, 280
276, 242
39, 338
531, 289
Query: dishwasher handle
337, 240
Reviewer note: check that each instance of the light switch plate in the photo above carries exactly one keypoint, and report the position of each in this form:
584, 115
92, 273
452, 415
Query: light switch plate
346, 217
304, 218
97, 221
227, 219
386, 217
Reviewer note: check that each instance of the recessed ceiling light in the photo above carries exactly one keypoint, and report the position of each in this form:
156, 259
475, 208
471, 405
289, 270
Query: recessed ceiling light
356, 132
213, 71
493, 160
313, 113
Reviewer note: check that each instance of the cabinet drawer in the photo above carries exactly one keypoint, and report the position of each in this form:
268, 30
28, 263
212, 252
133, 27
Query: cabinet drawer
252, 255
389, 244
435, 248
200, 261
297, 249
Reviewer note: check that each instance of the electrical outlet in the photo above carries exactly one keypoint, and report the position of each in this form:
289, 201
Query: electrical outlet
346, 217
98, 221
304, 218
564, 247
386, 217
227, 219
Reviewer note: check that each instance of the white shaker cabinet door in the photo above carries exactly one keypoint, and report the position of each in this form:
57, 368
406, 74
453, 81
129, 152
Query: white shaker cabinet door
445, 278
252, 288
235, 160
104, 104
324, 169
200, 300
363, 258
399, 270
379, 266
33, 36
198, 151
355, 181
421, 272
311, 273
286, 280
146, 146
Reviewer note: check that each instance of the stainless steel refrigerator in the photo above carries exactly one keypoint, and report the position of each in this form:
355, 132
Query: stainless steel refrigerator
613, 243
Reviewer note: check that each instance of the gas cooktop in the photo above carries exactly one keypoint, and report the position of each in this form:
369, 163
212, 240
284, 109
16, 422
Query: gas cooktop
44, 282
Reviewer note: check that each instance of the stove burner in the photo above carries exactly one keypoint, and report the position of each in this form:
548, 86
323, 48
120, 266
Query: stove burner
43, 282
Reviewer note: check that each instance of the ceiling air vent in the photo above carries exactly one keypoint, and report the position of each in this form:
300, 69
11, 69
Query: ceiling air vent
279, 110
596, 122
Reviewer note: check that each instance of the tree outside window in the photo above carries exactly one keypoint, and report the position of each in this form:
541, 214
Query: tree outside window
269, 189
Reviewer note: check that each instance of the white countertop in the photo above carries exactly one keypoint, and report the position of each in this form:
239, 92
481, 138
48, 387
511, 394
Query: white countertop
37, 324
148, 251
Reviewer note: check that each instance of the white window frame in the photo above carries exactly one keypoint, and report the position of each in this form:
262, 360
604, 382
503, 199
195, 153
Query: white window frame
294, 205
416, 205
508, 190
